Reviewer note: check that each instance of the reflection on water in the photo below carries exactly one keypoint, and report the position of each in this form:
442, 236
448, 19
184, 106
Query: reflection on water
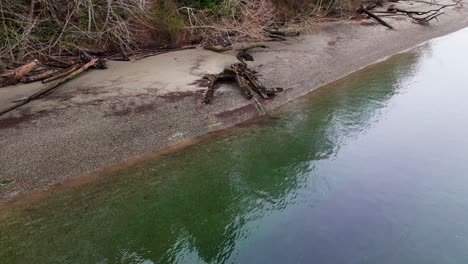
366, 170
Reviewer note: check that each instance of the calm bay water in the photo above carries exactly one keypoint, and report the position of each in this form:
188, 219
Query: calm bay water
370, 169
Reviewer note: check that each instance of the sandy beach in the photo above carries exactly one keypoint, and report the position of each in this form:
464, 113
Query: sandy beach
106, 117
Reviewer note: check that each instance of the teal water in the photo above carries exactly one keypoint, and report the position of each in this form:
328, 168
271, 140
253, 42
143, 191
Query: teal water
370, 169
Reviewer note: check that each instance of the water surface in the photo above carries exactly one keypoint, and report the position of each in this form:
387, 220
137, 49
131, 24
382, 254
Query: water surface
369, 169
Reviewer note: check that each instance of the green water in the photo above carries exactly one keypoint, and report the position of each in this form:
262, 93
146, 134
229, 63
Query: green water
370, 169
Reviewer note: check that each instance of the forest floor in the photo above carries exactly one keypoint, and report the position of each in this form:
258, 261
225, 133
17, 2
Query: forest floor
107, 117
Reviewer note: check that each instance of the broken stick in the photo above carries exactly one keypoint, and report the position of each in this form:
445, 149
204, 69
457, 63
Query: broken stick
246, 79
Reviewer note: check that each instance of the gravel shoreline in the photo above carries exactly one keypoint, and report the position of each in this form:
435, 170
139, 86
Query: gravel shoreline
108, 117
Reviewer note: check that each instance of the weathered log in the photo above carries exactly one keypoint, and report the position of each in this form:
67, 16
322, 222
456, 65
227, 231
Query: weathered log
258, 87
14, 76
211, 87
20, 72
213, 79
50, 87
238, 70
362, 9
62, 74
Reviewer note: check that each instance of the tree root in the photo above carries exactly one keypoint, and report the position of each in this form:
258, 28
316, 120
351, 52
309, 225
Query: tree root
59, 82
364, 10
246, 79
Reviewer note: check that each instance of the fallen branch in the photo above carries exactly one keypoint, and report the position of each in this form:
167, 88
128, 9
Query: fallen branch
364, 10
51, 87
42, 76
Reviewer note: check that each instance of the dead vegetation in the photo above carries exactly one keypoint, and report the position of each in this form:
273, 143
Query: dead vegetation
57, 32
422, 17
419, 16
45, 29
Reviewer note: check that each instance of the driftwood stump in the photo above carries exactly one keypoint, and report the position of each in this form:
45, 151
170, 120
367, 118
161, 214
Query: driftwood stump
247, 80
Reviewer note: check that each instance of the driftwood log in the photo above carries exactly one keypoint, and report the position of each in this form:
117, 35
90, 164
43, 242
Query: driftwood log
12, 77
52, 67
62, 74
246, 79
59, 82
363, 9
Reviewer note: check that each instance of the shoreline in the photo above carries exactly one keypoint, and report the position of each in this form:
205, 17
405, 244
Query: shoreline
104, 119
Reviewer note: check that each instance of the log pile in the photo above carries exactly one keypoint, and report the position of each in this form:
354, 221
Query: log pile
52, 86
44, 71
246, 79
49, 68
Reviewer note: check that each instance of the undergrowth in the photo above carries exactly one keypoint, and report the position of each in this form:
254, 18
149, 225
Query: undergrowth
44, 28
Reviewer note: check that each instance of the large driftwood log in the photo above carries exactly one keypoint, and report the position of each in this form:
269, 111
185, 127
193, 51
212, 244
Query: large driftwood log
244, 48
246, 79
364, 10
42, 75
62, 74
14, 76
422, 17
213, 80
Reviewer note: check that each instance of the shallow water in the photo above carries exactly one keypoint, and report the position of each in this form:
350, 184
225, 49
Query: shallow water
370, 169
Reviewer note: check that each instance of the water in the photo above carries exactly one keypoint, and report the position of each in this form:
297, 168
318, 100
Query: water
370, 169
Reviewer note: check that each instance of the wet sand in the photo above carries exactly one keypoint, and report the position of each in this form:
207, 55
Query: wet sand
107, 117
